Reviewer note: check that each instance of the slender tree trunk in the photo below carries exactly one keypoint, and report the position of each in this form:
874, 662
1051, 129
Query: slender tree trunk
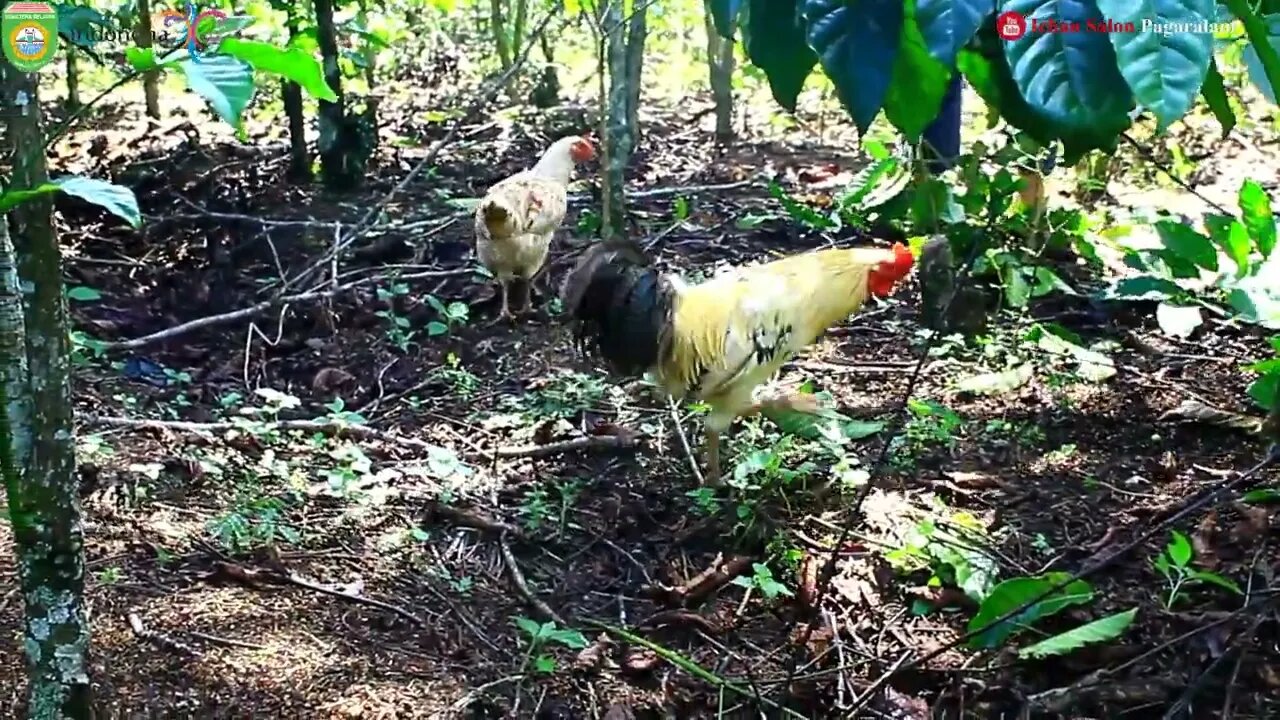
499, 29
637, 31
336, 166
720, 61
150, 79
73, 81
291, 93
37, 444
617, 136
518, 27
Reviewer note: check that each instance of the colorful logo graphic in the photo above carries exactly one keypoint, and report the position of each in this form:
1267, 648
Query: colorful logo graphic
30, 34
191, 20
1011, 25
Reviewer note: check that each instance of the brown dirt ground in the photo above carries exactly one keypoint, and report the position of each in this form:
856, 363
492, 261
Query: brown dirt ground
251, 647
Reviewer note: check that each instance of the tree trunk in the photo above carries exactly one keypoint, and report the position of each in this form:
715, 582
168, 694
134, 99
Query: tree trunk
637, 30
518, 27
37, 444
499, 30
73, 81
617, 140
291, 93
720, 61
337, 169
151, 78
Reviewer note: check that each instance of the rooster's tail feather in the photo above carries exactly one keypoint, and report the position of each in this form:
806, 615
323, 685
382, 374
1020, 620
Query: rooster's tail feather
619, 306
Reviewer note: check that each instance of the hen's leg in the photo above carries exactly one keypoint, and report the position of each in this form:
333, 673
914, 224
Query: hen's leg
505, 315
522, 288
712, 476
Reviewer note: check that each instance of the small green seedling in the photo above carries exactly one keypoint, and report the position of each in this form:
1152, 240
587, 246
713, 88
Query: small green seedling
538, 637
1175, 565
762, 579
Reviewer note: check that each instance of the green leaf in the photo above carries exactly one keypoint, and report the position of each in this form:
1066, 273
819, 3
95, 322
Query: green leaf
293, 64
857, 44
724, 15
141, 59
544, 664
1178, 320
919, 82
1100, 630
1257, 298
1263, 391
997, 383
1215, 579
1262, 496
1262, 55
1232, 237
826, 423
83, 294
948, 25
569, 638
77, 22
1214, 92
530, 627
1255, 209
774, 40
227, 83
1164, 69
1179, 548
14, 198
1188, 244
118, 200
1014, 593
1069, 77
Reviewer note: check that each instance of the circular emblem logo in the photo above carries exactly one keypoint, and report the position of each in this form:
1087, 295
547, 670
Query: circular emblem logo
1011, 25
29, 42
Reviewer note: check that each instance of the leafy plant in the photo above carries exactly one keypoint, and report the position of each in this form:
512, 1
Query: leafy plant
539, 635
1174, 563
762, 579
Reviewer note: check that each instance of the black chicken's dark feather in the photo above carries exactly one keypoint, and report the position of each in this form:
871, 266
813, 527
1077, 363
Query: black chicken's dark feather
619, 306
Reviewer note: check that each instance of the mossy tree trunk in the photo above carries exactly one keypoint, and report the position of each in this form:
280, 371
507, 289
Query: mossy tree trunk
338, 166
720, 62
151, 78
623, 43
37, 442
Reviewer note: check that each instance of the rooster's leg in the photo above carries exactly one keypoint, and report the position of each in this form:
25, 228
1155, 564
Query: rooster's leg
713, 458
506, 304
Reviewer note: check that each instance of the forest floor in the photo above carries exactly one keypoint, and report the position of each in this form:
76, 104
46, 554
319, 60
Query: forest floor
241, 572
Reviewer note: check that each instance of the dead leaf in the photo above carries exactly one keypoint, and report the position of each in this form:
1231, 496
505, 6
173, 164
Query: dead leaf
807, 579
593, 655
941, 597
619, 711
1202, 541
640, 660
1194, 411
974, 480
905, 707
1255, 523
327, 379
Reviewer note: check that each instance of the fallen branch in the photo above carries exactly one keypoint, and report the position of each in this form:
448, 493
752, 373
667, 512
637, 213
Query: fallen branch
160, 640
591, 442
294, 579
470, 519
720, 573
265, 305
522, 585
680, 617
684, 443
331, 427
225, 641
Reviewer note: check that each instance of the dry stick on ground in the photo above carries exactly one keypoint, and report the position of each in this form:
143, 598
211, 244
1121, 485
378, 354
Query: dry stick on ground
467, 518
684, 443
370, 218
160, 640
294, 579
332, 427
265, 305
591, 442
522, 585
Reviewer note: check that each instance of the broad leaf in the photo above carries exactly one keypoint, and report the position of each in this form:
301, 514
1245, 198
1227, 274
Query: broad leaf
77, 22
1179, 548
724, 14
774, 40
293, 64
1257, 297
83, 294
948, 25
1214, 92
919, 83
116, 199
1178, 320
1014, 593
1101, 630
1232, 237
1262, 55
1255, 209
997, 383
141, 59
993, 81
1188, 244
1263, 391
858, 45
227, 83
1069, 77
1146, 287
1164, 69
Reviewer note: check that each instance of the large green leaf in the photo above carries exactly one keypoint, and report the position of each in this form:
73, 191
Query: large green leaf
1259, 220
947, 25
1214, 92
1257, 297
1164, 69
774, 40
1262, 56
227, 83
1232, 237
1069, 77
919, 82
293, 64
1188, 244
1016, 592
857, 43
1100, 630
116, 199
724, 14
990, 78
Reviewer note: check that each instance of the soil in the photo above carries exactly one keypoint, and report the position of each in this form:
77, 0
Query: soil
377, 596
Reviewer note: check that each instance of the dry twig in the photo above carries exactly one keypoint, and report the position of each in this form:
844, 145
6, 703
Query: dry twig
522, 585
